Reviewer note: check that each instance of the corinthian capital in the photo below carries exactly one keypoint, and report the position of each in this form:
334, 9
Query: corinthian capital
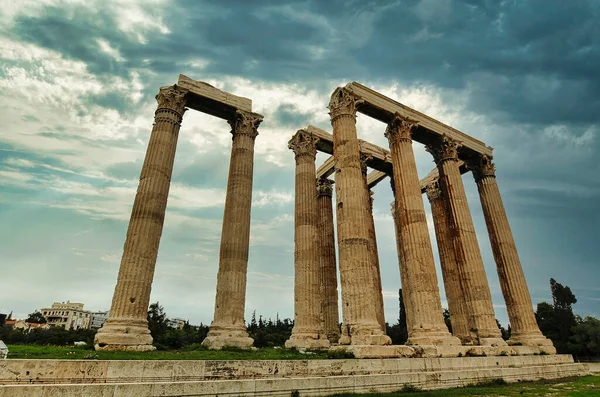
342, 103
325, 187
303, 143
172, 97
482, 166
400, 128
433, 191
245, 123
444, 148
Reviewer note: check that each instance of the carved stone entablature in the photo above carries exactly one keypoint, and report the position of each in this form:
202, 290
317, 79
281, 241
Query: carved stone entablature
245, 123
364, 159
482, 166
433, 191
343, 103
443, 149
172, 97
400, 128
325, 187
303, 143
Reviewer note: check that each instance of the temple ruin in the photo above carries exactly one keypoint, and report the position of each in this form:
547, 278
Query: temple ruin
316, 306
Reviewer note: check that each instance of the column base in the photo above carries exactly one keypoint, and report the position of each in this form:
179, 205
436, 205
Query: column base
492, 342
309, 341
533, 340
432, 338
333, 338
124, 335
220, 337
368, 335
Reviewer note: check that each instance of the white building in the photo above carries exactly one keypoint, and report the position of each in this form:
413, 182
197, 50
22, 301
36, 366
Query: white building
98, 319
68, 315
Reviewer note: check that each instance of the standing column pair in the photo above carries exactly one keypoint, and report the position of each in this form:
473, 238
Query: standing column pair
523, 324
357, 263
308, 330
420, 290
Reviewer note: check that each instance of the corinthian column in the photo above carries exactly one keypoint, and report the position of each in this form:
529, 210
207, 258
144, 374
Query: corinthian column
373, 244
450, 274
510, 273
419, 282
326, 237
228, 327
356, 261
127, 327
478, 299
308, 328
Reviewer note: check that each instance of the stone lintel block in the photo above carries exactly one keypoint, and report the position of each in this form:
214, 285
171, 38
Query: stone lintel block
218, 342
483, 351
208, 99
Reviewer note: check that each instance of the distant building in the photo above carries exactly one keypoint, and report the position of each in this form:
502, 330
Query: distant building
21, 324
98, 319
176, 322
68, 315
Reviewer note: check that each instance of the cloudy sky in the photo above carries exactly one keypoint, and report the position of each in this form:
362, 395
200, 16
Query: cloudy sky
77, 87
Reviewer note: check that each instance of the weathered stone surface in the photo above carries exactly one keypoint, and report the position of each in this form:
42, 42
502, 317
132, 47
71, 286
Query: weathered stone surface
417, 269
327, 260
359, 304
524, 327
308, 330
228, 327
478, 299
221, 98
450, 274
127, 327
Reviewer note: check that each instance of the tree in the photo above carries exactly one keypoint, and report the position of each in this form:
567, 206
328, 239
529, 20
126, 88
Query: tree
36, 317
399, 332
157, 321
446, 314
557, 321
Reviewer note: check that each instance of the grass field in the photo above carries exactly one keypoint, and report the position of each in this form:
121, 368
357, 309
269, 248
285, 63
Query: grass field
191, 353
577, 387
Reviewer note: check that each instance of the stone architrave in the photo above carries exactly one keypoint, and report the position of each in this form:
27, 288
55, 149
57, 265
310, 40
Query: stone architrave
522, 320
356, 263
127, 325
450, 274
417, 268
308, 330
475, 287
373, 244
326, 230
228, 327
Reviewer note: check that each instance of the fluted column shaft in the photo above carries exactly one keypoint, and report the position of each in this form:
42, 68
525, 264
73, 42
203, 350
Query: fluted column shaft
308, 326
356, 261
326, 239
419, 281
373, 246
228, 327
450, 274
127, 327
478, 299
523, 324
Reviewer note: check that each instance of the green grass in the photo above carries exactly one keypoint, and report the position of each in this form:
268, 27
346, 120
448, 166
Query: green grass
573, 387
191, 353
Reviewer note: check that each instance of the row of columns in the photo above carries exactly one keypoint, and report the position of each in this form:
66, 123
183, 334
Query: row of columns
465, 281
127, 326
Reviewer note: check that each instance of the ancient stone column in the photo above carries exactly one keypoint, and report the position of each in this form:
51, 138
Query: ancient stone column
510, 273
127, 327
326, 238
357, 265
228, 327
450, 274
308, 330
419, 281
475, 287
373, 245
